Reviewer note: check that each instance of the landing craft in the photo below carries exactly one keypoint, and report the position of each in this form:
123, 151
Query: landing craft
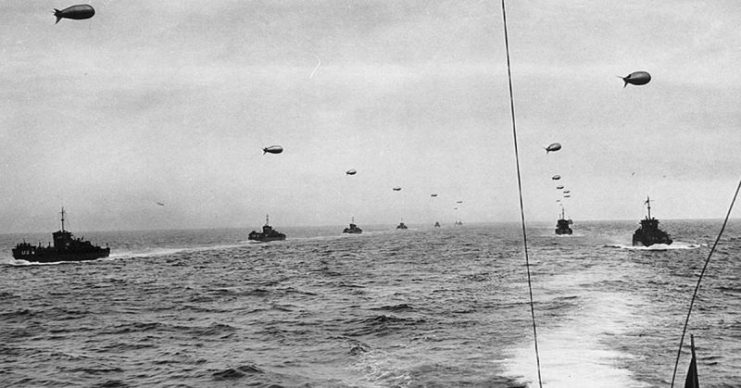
80, 11
556, 177
567, 196
397, 189
433, 195
553, 147
559, 187
566, 191
351, 172
160, 203
637, 78
276, 149
459, 202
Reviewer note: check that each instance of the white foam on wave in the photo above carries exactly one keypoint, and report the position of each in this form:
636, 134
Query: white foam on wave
23, 263
550, 234
147, 253
170, 251
377, 368
330, 237
7, 260
573, 352
575, 234
659, 247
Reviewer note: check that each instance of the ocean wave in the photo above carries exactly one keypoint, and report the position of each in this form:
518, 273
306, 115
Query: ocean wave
204, 309
22, 313
111, 384
122, 347
349, 285
358, 347
215, 329
382, 325
394, 308
736, 290
133, 327
236, 373
98, 370
291, 290
342, 312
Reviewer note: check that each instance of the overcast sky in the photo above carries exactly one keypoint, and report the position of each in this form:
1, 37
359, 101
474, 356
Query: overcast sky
173, 101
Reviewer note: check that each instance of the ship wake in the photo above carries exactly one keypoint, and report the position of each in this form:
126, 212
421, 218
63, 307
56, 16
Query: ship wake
573, 349
677, 245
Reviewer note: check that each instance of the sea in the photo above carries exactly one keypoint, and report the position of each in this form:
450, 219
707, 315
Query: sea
423, 307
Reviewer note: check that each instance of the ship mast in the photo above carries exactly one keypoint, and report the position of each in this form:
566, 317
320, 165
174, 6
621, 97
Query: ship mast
267, 219
648, 204
62, 212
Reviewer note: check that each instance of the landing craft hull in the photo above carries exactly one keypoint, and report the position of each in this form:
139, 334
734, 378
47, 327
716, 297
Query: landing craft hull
353, 229
54, 257
268, 234
266, 239
262, 237
567, 230
562, 227
640, 238
649, 234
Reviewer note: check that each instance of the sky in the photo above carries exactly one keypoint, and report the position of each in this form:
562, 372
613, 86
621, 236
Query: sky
173, 101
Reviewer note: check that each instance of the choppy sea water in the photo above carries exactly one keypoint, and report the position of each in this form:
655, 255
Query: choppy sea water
425, 307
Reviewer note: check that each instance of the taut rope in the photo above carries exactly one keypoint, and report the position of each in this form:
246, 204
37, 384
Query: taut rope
519, 187
697, 287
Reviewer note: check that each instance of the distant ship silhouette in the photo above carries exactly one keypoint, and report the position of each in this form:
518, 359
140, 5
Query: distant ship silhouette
649, 233
65, 248
267, 234
353, 229
562, 225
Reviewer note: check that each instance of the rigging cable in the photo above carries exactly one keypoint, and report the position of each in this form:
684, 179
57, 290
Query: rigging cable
519, 187
697, 287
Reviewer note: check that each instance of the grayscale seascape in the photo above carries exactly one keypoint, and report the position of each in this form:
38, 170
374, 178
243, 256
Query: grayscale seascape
425, 307
370, 194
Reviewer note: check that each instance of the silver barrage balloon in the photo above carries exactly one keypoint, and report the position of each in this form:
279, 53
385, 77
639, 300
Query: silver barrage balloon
637, 78
276, 149
79, 12
552, 147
